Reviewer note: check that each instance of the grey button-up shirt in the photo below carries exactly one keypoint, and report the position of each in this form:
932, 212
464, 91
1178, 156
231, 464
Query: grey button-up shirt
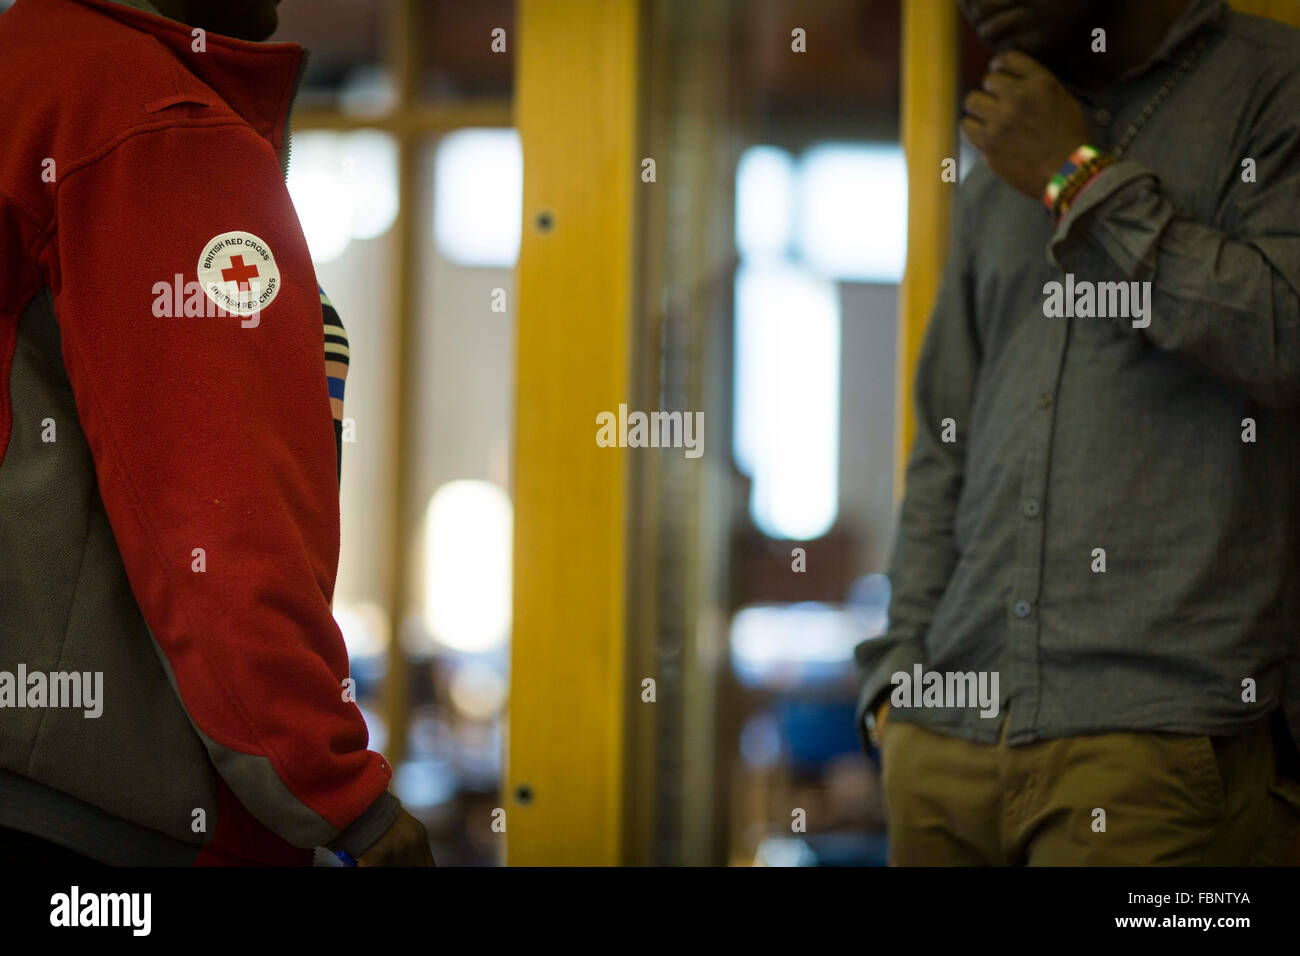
1105, 515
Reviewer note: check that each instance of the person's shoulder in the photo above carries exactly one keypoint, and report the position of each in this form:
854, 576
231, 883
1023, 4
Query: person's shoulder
62, 44
70, 66
1268, 43
1265, 31
1267, 64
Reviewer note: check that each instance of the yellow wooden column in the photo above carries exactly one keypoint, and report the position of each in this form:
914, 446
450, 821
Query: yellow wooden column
576, 89
929, 114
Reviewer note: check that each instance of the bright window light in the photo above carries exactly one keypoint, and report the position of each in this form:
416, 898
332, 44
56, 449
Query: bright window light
479, 197
369, 163
765, 190
788, 398
344, 187
787, 644
364, 626
368, 91
467, 565
478, 690
851, 222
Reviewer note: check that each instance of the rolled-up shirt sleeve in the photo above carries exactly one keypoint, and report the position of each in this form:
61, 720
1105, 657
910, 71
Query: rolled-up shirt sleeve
1225, 296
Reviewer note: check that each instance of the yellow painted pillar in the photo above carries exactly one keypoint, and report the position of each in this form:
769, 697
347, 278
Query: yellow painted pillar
929, 116
576, 90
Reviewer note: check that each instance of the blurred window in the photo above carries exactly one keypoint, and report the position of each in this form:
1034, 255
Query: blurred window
468, 547
788, 398
479, 197
851, 220
344, 187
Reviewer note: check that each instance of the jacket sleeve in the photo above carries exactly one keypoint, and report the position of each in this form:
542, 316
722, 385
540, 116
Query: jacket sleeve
925, 550
1225, 300
213, 445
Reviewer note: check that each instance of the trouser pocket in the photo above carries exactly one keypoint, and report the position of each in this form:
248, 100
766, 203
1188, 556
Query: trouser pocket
1280, 843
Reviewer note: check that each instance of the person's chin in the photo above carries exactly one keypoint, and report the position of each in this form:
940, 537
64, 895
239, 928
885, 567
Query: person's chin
264, 23
1012, 28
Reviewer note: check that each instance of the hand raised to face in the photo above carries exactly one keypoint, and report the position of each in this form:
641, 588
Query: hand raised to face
1024, 122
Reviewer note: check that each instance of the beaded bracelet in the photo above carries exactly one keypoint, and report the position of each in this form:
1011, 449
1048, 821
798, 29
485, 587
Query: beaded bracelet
1072, 191
1084, 163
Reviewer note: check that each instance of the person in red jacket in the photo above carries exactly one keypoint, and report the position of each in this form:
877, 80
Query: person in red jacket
173, 686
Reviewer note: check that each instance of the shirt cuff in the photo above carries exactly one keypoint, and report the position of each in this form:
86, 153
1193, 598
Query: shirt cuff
1115, 222
878, 660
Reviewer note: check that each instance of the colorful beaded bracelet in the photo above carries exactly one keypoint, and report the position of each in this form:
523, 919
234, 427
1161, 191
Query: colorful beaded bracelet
1084, 163
1072, 190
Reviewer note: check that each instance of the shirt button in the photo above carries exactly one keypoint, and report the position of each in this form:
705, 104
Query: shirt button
1045, 400
1021, 608
1031, 508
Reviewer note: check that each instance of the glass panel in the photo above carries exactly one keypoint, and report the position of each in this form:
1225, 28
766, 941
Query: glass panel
460, 439
797, 502
345, 192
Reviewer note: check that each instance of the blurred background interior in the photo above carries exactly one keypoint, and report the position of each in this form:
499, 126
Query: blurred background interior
471, 180
577, 654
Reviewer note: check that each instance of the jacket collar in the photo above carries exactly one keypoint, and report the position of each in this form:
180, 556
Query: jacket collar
144, 5
256, 80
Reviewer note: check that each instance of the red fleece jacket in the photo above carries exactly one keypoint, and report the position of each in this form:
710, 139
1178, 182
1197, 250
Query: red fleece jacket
211, 433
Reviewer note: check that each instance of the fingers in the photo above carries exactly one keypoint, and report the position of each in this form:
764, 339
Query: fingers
980, 108
975, 132
999, 85
980, 104
1015, 64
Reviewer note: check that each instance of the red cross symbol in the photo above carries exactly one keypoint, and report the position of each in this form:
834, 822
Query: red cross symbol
239, 273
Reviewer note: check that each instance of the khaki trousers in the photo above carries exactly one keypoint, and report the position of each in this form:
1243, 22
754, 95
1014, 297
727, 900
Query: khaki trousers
1123, 799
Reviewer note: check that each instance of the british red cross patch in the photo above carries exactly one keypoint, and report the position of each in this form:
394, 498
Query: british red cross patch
238, 272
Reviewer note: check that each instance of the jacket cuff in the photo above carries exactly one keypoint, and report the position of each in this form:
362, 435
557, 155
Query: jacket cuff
363, 832
878, 659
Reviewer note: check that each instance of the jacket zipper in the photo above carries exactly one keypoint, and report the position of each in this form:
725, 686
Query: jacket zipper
288, 117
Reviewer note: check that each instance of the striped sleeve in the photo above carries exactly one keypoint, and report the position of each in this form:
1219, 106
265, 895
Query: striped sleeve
336, 369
